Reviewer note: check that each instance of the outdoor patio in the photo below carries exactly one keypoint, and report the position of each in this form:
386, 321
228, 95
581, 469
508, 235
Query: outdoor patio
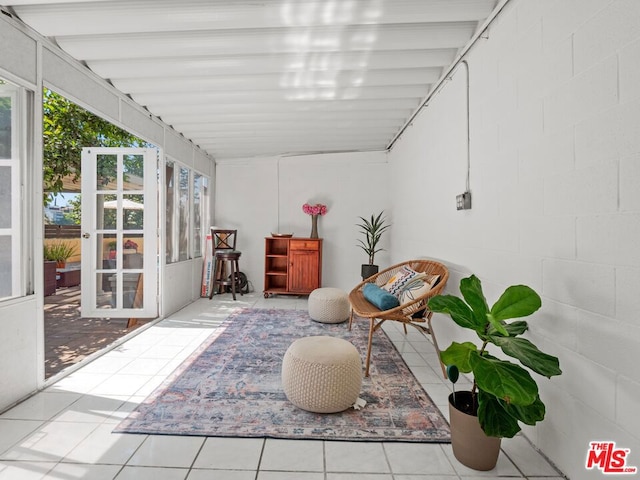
70, 338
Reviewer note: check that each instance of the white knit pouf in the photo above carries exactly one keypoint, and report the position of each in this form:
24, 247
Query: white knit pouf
322, 374
329, 305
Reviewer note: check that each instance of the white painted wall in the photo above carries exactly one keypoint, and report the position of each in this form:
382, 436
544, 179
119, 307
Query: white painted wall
21, 326
18, 355
181, 281
32, 62
264, 195
555, 170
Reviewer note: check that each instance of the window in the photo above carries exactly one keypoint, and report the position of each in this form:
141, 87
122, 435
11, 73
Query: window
183, 214
200, 212
187, 212
11, 99
170, 218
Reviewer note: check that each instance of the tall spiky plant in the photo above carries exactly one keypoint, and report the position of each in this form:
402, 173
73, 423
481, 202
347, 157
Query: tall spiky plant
372, 229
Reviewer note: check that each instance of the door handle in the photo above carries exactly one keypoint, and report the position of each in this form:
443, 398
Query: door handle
86, 235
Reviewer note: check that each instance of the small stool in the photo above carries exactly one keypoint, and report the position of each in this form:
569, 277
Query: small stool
220, 271
322, 374
223, 243
329, 305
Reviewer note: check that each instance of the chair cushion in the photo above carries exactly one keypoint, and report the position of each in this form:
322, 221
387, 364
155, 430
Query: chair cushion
379, 297
401, 279
417, 288
227, 253
414, 290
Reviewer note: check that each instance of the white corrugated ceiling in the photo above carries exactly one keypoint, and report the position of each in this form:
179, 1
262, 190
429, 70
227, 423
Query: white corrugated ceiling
267, 77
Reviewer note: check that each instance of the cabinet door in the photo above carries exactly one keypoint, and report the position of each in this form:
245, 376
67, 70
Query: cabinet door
303, 270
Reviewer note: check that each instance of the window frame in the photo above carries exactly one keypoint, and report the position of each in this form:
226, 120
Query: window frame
17, 164
204, 199
172, 236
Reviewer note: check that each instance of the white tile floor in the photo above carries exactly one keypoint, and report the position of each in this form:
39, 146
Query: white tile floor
64, 432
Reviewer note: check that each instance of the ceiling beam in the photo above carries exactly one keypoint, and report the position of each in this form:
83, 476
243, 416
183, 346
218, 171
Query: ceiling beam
92, 17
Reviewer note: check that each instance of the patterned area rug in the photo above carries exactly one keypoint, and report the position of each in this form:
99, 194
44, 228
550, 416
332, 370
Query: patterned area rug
231, 387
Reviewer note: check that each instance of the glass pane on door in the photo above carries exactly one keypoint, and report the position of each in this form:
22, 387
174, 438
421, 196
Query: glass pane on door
122, 231
132, 294
133, 212
106, 290
106, 251
106, 279
133, 172
106, 172
106, 205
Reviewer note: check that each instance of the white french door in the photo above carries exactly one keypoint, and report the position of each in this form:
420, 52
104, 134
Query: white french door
119, 232
10, 206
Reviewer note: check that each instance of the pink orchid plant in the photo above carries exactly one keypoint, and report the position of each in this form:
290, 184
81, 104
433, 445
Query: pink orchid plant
317, 209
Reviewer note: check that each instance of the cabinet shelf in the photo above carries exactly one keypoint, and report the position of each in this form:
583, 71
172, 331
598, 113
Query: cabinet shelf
293, 266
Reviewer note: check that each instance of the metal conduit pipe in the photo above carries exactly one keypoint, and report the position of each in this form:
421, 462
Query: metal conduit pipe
447, 75
468, 186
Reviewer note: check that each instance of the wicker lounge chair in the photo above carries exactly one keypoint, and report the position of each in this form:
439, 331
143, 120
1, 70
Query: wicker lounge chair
412, 313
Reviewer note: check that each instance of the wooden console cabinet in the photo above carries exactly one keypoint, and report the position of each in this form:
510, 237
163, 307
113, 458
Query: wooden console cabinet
292, 266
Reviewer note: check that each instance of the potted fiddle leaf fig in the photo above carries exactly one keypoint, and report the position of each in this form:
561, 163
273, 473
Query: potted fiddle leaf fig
372, 229
503, 393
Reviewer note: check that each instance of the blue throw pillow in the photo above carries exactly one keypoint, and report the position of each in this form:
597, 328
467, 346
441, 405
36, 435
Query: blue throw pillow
379, 297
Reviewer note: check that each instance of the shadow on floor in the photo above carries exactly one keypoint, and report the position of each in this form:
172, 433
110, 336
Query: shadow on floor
69, 338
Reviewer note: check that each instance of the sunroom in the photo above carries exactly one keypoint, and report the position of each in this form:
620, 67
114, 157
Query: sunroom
252, 110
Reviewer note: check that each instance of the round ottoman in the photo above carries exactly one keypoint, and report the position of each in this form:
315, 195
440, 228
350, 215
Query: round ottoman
329, 305
322, 374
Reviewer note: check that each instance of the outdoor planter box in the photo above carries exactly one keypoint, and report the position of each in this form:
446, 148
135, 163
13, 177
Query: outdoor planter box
68, 277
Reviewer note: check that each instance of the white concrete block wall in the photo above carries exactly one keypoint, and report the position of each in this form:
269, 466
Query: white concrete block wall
555, 176
627, 395
555, 164
629, 72
606, 32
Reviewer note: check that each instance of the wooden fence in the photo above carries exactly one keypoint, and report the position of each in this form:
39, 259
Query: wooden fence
62, 231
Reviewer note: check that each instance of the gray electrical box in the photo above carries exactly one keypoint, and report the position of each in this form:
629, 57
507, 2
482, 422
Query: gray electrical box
463, 201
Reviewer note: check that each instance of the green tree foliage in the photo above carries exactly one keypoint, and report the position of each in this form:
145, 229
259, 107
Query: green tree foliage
5, 127
67, 128
74, 216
